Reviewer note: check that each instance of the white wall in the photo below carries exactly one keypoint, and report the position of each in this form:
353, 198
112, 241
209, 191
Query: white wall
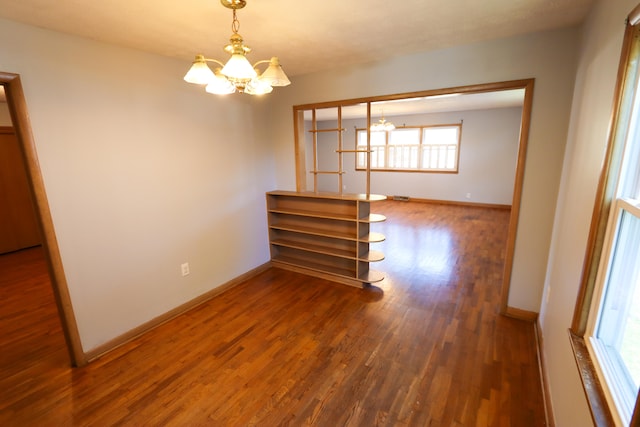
592, 106
488, 154
549, 57
143, 172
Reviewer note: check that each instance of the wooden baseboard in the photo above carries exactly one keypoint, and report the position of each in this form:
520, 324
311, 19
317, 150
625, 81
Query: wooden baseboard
546, 393
454, 202
321, 275
111, 345
517, 313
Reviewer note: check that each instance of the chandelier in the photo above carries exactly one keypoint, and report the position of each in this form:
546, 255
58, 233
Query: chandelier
382, 125
237, 74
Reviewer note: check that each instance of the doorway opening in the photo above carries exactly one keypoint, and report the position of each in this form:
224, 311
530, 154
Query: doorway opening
18, 112
336, 117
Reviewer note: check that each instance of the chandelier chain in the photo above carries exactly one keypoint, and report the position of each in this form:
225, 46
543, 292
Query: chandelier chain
235, 24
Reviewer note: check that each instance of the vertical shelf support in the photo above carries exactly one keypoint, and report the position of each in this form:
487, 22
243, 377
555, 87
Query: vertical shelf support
314, 131
368, 154
340, 169
339, 151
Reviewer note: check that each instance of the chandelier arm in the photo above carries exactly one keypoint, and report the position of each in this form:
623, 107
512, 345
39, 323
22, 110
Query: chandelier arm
214, 60
264, 61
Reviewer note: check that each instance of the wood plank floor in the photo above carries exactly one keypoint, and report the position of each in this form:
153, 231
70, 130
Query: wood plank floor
425, 347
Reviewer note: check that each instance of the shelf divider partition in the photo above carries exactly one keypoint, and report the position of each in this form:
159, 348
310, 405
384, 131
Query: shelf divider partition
325, 235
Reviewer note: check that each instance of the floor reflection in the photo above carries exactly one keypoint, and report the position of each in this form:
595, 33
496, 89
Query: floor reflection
432, 243
424, 250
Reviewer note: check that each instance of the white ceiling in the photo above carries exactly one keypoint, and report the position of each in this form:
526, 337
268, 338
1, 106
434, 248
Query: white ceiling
307, 35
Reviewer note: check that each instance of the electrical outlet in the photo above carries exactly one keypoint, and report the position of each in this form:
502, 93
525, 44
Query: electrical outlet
185, 269
468, 196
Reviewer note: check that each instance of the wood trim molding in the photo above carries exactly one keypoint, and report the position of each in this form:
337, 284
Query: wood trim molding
546, 391
634, 16
22, 127
517, 313
533, 317
319, 274
602, 204
605, 192
455, 202
591, 384
300, 151
526, 84
482, 87
635, 419
166, 317
517, 192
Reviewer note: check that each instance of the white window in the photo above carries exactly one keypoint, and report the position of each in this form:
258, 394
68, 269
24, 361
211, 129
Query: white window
420, 148
613, 329
614, 334
404, 146
440, 147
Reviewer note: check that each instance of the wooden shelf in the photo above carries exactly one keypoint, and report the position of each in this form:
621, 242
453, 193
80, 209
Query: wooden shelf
317, 196
372, 256
314, 214
328, 172
371, 276
324, 268
326, 130
343, 253
374, 218
372, 238
325, 235
315, 231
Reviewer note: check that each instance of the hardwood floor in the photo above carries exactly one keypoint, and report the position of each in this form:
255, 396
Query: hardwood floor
425, 347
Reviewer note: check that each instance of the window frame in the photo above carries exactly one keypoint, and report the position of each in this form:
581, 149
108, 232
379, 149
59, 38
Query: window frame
421, 145
604, 219
606, 362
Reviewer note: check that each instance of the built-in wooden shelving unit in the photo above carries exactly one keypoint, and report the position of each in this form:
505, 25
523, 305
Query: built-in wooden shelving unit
325, 235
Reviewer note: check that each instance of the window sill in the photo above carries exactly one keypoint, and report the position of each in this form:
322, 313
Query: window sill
598, 405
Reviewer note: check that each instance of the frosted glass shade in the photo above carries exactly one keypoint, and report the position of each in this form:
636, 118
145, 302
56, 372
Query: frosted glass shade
237, 67
199, 73
274, 75
258, 87
219, 85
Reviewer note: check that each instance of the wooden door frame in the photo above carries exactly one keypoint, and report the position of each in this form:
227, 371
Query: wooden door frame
525, 124
22, 126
